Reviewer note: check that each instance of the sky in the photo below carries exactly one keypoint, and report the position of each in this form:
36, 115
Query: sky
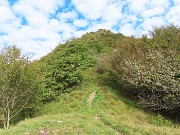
38, 26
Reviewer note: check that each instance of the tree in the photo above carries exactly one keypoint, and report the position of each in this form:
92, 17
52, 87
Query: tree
64, 69
166, 37
153, 74
17, 83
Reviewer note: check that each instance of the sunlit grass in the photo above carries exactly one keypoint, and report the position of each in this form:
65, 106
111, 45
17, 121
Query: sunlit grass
109, 114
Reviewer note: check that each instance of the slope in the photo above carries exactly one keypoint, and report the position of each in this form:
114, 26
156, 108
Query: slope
106, 112
88, 104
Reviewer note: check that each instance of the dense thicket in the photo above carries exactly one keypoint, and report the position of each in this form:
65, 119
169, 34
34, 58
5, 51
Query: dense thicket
65, 69
151, 67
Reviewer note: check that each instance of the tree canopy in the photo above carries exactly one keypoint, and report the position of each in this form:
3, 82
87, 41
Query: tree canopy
17, 82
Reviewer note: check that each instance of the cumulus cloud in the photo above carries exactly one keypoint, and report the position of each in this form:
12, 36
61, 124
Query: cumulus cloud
7, 14
127, 29
173, 16
176, 2
141, 5
37, 32
112, 12
91, 9
153, 12
80, 23
80, 33
65, 16
37, 26
138, 5
149, 23
27, 8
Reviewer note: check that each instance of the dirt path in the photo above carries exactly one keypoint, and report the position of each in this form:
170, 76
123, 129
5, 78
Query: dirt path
90, 98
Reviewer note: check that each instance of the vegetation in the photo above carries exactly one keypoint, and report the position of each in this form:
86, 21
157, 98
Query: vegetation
110, 113
152, 74
65, 69
99, 83
166, 37
151, 67
17, 83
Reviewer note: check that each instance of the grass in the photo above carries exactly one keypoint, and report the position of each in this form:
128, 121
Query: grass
109, 114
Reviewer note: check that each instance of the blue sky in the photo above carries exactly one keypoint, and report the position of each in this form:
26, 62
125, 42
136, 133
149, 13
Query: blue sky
38, 26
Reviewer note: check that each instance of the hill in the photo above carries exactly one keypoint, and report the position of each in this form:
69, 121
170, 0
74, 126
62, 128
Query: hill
78, 100
92, 108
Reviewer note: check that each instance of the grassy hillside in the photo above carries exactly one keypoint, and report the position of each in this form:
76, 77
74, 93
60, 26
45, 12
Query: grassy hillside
77, 100
93, 108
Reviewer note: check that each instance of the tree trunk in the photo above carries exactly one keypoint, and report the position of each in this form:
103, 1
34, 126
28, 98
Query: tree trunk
7, 119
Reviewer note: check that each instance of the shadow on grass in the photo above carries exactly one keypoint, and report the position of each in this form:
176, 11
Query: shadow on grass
120, 90
128, 95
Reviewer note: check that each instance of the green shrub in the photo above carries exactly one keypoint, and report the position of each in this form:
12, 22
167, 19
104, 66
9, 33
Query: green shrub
153, 76
152, 70
64, 69
166, 37
160, 121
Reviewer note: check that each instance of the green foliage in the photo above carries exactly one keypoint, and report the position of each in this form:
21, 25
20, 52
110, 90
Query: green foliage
17, 83
73, 64
166, 37
101, 41
65, 69
152, 71
109, 114
159, 120
65, 66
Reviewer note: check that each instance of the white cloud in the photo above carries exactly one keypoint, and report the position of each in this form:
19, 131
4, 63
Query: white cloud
109, 11
101, 25
127, 29
138, 5
37, 26
159, 3
4, 3
112, 12
26, 7
176, 2
36, 12
153, 12
91, 9
129, 18
6, 14
141, 5
28, 45
8, 21
65, 16
80, 33
173, 16
80, 23
149, 23
40, 34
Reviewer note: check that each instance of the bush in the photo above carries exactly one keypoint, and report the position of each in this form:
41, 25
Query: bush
166, 37
64, 69
153, 72
160, 121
